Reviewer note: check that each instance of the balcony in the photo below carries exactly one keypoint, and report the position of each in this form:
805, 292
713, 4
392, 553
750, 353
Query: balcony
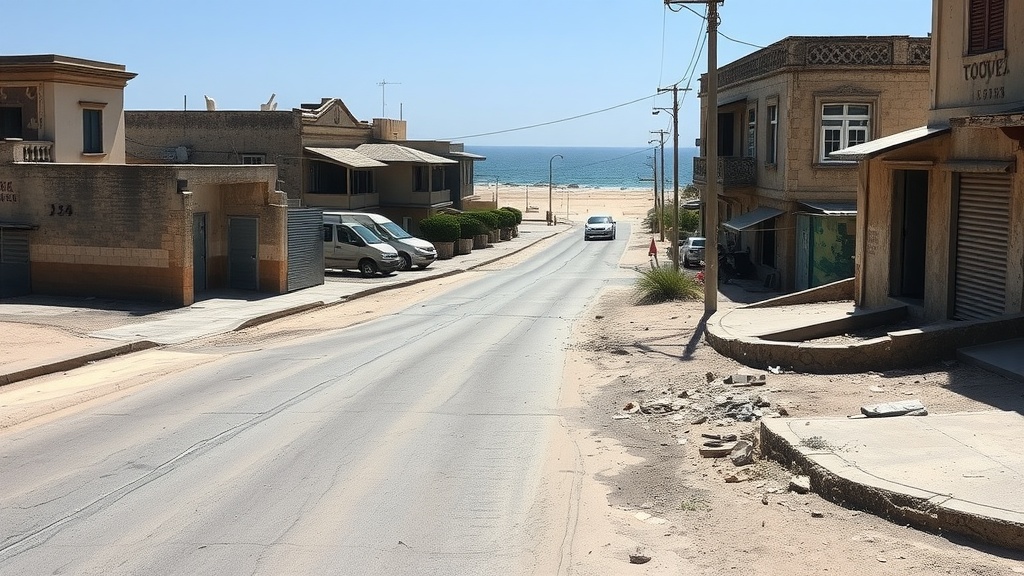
17, 150
733, 171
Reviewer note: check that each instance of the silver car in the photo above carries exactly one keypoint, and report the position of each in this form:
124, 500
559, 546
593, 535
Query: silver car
599, 226
692, 251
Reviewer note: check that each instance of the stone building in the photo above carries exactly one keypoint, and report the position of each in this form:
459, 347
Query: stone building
76, 220
784, 204
326, 157
941, 206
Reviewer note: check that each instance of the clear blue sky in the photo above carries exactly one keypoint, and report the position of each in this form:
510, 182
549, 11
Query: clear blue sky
459, 67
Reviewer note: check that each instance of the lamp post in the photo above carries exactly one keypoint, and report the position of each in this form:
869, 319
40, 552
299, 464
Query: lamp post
661, 218
551, 213
675, 169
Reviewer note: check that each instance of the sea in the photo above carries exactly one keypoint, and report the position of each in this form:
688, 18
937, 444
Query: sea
584, 167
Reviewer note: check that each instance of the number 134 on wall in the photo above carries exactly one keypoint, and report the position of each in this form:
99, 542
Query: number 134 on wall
60, 210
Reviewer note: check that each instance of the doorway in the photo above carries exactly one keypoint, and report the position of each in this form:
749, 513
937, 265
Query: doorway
910, 222
243, 264
198, 252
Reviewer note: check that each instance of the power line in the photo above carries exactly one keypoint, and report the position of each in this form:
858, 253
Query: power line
576, 117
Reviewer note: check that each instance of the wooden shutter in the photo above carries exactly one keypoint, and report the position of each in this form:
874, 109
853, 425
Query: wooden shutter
986, 25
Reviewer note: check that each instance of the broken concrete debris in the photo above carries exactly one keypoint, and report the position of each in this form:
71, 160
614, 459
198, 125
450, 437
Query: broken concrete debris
742, 453
800, 484
900, 408
639, 557
746, 380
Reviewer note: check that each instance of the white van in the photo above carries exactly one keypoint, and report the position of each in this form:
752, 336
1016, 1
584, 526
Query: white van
353, 246
412, 251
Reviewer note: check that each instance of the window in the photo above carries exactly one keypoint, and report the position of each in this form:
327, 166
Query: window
842, 126
326, 178
420, 178
328, 232
92, 130
10, 122
752, 133
773, 134
986, 26
254, 159
362, 182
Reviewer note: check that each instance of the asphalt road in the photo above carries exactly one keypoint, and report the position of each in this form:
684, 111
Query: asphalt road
412, 444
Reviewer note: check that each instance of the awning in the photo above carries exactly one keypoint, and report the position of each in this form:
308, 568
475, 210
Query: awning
831, 208
468, 155
346, 157
874, 147
755, 216
395, 153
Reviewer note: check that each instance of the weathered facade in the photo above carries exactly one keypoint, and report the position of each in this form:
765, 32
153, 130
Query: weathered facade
76, 220
326, 158
942, 205
784, 204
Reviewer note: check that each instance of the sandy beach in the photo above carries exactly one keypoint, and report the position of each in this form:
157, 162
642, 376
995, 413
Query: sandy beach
573, 203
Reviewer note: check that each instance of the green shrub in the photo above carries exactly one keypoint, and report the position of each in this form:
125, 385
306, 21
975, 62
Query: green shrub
506, 219
440, 228
664, 283
490, 220
471, 226
516, 211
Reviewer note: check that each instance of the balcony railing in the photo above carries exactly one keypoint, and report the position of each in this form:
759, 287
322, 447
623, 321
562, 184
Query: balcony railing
14, 150
733, 172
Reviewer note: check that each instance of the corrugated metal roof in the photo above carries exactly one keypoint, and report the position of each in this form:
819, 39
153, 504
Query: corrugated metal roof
831, 208
873, 147
395, 153
347, 157
755, 216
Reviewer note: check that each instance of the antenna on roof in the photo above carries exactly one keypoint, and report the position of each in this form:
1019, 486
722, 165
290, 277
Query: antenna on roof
382, 84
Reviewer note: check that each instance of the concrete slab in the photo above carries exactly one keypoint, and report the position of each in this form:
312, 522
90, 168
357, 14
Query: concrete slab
952, 472
1004, 358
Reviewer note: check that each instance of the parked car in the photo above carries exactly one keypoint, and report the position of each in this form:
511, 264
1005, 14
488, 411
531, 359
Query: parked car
599, 226
349, 246
692, 251
413, 251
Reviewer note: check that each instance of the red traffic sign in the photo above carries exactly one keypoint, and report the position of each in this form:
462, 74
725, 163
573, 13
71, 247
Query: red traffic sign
653, 250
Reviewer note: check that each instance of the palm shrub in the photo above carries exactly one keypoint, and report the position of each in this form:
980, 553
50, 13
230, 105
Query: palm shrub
516, 211
440, 228
471, 227
489, 220
664, 283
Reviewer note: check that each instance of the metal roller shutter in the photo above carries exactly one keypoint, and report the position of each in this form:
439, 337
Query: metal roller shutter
305, 248
14, 263
982, 230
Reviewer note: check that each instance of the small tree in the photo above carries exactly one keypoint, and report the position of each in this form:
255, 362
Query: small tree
471, 227
489, 220
516, 211
506, 219
440, 228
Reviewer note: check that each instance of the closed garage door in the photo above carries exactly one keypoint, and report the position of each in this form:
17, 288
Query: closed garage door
14, 266
982, 230
305, 248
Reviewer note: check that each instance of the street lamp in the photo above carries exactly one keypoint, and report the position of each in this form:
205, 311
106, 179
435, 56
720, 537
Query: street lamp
551, 213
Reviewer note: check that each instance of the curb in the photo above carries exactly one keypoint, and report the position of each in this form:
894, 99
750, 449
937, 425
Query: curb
79, 361
900, 508
76, 362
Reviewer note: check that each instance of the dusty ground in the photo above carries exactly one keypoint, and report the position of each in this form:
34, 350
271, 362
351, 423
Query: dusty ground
644, 487
686, 512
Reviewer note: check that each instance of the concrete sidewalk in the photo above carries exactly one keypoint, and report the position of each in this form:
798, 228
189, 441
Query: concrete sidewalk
947, 473
59, 334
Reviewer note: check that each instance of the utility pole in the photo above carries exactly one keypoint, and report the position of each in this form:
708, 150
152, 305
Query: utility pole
710, 144
661, 217
382, 84
675, 172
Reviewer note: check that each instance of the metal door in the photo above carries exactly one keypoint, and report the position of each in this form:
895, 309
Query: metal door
982, 231
198, 252
14, 263
243, 264
305, 248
